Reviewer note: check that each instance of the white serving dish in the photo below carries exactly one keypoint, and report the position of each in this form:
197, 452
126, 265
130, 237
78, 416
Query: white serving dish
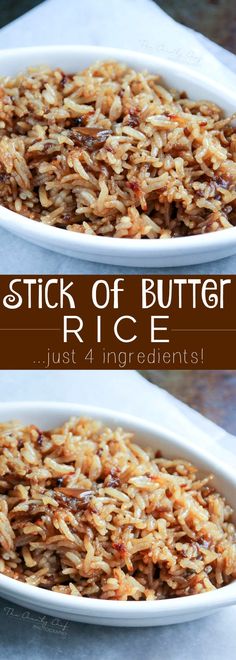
120, 613
122, 252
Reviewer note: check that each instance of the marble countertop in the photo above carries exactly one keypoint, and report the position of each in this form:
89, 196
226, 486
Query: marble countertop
212, 393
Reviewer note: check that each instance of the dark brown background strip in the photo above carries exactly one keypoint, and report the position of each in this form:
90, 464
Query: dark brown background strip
200, 338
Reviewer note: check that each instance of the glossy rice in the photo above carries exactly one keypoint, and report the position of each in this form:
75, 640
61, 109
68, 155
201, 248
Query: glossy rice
109, 151
86, 511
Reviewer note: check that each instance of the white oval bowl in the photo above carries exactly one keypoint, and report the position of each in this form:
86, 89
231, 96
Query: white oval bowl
120, 613
123, 252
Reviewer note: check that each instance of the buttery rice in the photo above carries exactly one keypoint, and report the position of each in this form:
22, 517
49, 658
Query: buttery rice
85, 511
111, 151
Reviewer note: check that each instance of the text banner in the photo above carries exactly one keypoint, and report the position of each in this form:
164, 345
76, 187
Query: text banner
117, 322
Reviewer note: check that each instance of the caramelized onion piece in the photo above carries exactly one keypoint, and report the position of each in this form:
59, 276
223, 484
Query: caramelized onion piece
73, 498
73, 492
90, 137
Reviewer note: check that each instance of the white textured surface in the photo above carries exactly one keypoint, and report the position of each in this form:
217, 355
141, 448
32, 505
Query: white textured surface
27, 635
135, 24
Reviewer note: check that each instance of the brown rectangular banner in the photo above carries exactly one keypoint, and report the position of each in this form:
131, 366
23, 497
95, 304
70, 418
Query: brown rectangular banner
117, 322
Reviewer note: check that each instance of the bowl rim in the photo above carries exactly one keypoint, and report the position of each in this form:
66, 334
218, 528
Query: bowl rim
101, 244
72, 240
221, 597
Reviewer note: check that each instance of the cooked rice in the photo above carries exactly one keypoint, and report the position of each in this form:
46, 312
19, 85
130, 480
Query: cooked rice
111, 151
85, 511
